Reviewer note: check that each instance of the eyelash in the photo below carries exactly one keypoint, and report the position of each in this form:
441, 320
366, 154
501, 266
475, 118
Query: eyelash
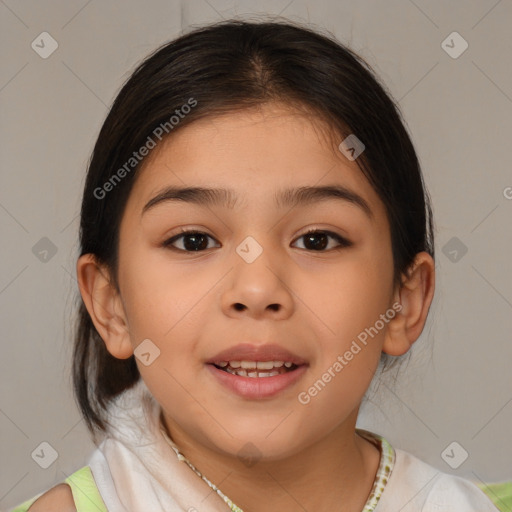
343, 241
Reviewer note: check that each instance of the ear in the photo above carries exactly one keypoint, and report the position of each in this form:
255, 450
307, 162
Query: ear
104, 305
415, 296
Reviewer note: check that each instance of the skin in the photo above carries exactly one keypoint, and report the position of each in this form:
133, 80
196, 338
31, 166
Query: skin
59, 498
186, 304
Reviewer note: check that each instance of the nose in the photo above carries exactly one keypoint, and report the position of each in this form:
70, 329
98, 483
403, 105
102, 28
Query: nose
259, 288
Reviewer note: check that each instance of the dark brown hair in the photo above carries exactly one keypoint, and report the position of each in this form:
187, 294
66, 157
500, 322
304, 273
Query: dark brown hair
225, 67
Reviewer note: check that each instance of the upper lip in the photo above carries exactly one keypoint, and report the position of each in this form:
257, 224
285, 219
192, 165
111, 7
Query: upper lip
248, 352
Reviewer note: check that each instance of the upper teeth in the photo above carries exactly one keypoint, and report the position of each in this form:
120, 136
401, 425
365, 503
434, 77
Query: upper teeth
253, 365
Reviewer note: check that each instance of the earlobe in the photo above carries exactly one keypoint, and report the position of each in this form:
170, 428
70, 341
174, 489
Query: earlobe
415, 296
104, 306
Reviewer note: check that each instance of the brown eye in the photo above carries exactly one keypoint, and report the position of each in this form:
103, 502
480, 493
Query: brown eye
318, 240
192, 241
314, 240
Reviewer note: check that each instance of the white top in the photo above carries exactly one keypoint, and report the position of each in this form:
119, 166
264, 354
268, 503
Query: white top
417, 486
135, 471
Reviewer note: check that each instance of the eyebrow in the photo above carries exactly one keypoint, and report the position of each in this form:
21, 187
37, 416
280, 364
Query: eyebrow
284, 198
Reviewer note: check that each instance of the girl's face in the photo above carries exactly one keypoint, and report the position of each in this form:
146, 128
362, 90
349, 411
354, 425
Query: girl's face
251, 280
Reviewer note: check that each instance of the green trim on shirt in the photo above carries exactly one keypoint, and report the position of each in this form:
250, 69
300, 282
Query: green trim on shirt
85, 493
88, 499
499, 493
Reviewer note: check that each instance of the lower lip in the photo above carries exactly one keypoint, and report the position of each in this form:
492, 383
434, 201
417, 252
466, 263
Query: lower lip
257, 387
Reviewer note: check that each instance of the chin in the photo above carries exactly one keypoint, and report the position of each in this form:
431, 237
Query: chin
265, 444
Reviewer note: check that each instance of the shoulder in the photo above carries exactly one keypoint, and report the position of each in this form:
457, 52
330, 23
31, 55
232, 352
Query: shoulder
58, 498
415, 485
450, 490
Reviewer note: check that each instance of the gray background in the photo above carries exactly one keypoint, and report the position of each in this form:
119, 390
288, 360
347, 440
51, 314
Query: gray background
457, 386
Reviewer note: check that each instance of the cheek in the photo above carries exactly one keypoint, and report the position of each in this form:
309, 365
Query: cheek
158, 296
359, 292
163, 304
351, 296
332, 396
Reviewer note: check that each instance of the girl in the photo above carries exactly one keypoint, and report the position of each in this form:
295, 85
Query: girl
256, 240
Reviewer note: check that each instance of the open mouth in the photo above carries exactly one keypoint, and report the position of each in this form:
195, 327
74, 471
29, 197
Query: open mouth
257, 380
257, 372
256, 368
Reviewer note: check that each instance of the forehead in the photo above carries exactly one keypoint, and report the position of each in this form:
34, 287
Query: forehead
254, 153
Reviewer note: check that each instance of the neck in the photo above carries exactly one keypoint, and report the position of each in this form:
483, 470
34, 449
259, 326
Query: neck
335, 473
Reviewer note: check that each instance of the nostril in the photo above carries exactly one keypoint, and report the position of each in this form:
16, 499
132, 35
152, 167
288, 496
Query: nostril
241, 307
